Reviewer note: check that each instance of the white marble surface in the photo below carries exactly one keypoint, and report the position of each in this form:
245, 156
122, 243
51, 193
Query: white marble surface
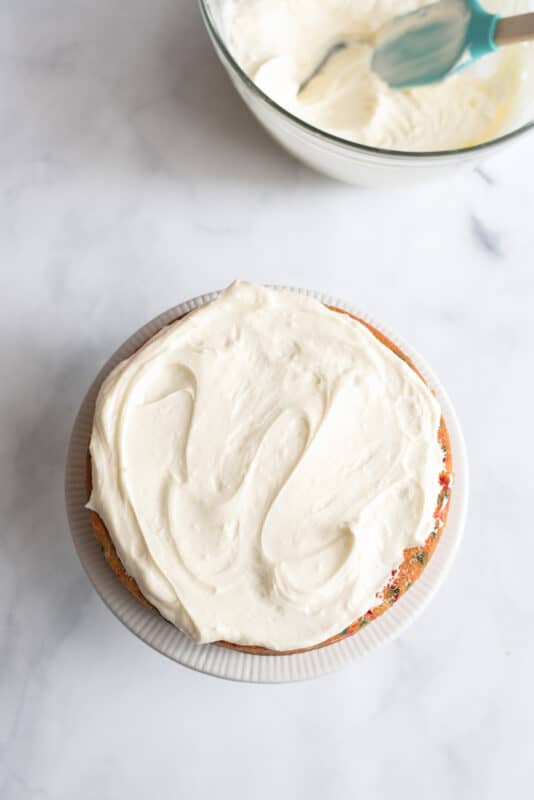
132, 178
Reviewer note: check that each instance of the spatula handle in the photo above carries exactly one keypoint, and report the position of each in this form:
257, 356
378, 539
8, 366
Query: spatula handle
511, 30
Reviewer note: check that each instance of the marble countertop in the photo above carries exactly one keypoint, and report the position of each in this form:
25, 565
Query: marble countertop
132, 178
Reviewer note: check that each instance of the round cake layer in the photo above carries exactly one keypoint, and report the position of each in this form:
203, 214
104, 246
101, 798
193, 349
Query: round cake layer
260, 467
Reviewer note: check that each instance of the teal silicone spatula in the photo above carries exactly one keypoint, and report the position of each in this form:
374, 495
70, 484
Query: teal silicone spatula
427, 45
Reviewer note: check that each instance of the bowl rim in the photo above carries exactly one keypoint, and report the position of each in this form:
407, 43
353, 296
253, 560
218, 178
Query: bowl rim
331, 138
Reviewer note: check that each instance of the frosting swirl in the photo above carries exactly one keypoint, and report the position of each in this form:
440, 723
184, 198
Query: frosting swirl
261, 465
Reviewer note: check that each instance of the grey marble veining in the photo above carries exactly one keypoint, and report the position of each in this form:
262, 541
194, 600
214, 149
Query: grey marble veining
132, 178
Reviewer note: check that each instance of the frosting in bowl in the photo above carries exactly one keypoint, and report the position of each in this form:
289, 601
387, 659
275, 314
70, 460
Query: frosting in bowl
280, 42
261, 466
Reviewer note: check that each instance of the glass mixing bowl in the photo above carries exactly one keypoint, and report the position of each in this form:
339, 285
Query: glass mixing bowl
346, 160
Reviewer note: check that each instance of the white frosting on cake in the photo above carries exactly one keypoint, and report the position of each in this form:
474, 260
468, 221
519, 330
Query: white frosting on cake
261, 465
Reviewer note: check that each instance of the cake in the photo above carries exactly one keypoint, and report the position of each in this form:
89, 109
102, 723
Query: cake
268, 473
